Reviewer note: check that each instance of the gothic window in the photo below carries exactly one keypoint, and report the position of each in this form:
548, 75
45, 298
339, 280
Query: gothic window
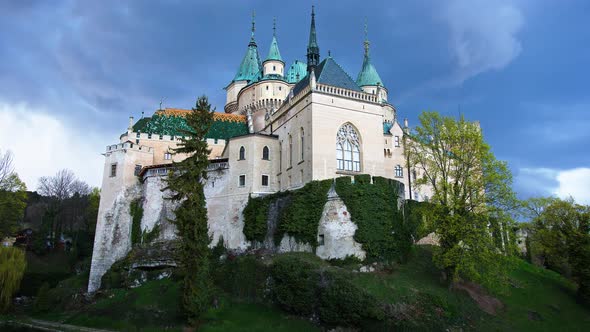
348, 153
265, 153
399, 171
302, 144
242, 155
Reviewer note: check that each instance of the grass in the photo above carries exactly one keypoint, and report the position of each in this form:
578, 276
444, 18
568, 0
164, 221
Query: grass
536, 294
155, 306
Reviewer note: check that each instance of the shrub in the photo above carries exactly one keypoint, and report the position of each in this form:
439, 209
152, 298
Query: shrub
255, 215
43, 302
296, 284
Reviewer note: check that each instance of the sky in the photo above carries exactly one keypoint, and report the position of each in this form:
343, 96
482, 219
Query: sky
72, 72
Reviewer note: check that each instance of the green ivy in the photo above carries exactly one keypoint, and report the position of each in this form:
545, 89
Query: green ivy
136, 212
384, 231
299, 216
147, 237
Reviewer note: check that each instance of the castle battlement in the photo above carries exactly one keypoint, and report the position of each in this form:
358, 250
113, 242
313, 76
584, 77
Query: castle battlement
128, 146
168, 138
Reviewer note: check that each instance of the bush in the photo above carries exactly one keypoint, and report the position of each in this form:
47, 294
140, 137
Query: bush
242, 277
43, 302
255, 216
304, 285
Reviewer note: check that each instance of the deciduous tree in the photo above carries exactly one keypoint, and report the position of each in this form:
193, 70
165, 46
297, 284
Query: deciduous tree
470, 187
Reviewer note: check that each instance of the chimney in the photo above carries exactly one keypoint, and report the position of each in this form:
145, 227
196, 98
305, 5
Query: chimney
130, 128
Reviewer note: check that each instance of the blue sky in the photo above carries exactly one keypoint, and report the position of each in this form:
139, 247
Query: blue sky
72, 72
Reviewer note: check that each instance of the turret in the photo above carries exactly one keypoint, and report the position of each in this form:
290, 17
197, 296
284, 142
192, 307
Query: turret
274, 65
313, 50
250, 71
368, 79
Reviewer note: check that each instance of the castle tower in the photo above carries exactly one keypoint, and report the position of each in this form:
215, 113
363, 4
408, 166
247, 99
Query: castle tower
250, 71
274, 65
368, 78
313, 50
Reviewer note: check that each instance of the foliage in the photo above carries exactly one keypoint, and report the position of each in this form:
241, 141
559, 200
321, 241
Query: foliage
43, 300
255, 217
12, 268
186, 182
302, 285
150, 236
470, 186
560, 239
382, 230
243, 277
301, 217
136, 212
13, 199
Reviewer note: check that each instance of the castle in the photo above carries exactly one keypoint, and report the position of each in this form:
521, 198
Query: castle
282, 128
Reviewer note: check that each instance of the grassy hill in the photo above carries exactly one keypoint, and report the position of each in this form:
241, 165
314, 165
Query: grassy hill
537, 300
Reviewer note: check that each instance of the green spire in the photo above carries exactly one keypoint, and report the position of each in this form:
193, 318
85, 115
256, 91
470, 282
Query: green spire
313, 50
250, 68
368, 74
273, 53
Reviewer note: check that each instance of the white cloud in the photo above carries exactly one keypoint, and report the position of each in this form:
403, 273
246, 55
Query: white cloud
561, 183
576, 183
43, 144
483, 35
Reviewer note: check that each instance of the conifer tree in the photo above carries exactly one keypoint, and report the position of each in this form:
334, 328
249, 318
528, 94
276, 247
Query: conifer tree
186, 184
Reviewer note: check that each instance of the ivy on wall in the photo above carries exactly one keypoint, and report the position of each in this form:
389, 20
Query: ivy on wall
299, 216
136, 212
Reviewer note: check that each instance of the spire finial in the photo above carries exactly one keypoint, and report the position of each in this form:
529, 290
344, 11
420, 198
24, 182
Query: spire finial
253, 23
366, 43
313, 50
274, 26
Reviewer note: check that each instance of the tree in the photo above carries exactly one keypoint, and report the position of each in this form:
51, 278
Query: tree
69, 197
186, 184
13, 197
12, 269
471, 189
560, 237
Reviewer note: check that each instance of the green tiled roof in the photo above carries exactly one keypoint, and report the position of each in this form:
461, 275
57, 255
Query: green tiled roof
273, 52
296, 71
368, 74
223, 126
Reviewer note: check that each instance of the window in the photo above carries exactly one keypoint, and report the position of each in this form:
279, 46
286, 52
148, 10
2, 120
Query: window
416, 196
113, 170
321, 240
215, 141
414, 174
167, 156
280, 156
242, 153
161, 137
265, 180
290, 151
301, 175
242, 180
399, 171
397, 141
267, 88
137, 135
280, 88
150, 136
137, 170
137, 142
274, 68
348, 154
302, 145
265, 153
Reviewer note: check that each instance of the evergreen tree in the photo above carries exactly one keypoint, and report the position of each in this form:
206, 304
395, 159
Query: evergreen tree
186, 183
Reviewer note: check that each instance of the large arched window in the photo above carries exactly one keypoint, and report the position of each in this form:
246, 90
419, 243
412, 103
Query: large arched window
348, 152
265, 153
242, 153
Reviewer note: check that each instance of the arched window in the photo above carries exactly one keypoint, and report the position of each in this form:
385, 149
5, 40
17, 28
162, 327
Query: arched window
242, 153
302, 145
265, 153
290, 151
348, 153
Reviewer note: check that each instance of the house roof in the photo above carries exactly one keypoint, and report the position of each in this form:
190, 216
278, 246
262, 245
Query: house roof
330, 73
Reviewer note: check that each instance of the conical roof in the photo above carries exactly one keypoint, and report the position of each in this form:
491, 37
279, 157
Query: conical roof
251, 66
368, 74
273, 52
296, 72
